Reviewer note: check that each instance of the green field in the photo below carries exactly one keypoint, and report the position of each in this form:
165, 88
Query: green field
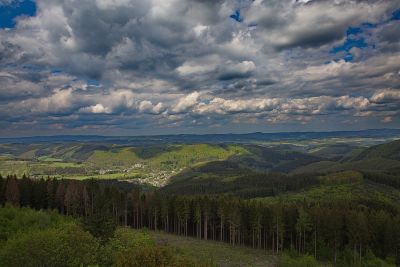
153, 164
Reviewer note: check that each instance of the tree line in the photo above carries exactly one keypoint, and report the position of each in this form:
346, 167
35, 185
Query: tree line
338, 231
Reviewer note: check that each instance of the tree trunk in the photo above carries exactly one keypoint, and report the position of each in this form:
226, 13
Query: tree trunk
221, 231
277, 236
315, 244
126, 213
205, 226
273, 242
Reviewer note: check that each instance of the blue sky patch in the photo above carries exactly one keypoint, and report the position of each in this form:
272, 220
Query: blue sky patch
354, 38
349, 44
56, 71
353, 30
8, 13
396, 15
93, 82
236, 16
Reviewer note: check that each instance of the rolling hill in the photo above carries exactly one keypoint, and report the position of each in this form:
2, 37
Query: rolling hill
158, 164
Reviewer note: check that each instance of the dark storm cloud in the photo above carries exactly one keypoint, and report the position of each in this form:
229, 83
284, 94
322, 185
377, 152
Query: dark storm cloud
128, 64
390, 33
315, 38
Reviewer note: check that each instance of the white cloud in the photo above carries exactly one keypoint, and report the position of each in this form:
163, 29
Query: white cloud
98, 108
386, 95
231, 70
225, 106
148, 107
186, 102
387, 119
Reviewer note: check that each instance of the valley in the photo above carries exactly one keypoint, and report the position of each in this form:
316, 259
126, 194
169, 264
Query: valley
157, 164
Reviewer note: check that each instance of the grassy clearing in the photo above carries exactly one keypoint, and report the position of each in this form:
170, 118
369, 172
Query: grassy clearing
119, 158
49, 159
18, 167
118, 176
220, 254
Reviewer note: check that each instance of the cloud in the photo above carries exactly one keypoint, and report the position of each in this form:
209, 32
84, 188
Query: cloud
226, 106
312, 23
387, 119
60, 101
129, 64
386, 95
186, 102
232, 71
199, 66
321, 105
7, 2
98, 108
148, 107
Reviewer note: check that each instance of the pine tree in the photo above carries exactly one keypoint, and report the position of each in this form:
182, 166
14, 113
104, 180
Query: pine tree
60, 193
303, 226
12, 191
72, 198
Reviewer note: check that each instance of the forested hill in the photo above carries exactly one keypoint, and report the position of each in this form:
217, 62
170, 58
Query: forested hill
205, 138
387, 151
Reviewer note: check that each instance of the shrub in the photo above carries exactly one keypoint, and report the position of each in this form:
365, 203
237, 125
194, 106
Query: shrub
286, 260
69, 246
124, 239
153, 256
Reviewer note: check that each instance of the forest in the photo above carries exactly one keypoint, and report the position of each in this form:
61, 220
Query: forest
344, 233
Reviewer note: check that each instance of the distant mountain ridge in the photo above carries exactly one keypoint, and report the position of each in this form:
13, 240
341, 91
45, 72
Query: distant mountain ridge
206, 138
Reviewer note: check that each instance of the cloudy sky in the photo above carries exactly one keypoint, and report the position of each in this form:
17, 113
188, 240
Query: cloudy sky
133, 67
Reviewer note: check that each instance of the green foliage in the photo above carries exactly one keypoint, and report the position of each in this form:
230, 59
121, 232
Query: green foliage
69, 246
146, 257
363, 194
15, 221
124, 239
101, 225
32, 238
376, 262
288, 260
155, 256
35, 238
228, 177
388, 150
343, 177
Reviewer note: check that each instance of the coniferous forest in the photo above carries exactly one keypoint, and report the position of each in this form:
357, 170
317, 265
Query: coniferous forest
344, 233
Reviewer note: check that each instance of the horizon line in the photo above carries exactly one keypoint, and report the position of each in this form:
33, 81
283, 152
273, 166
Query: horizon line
193, 134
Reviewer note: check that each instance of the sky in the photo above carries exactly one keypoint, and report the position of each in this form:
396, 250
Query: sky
134, 67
